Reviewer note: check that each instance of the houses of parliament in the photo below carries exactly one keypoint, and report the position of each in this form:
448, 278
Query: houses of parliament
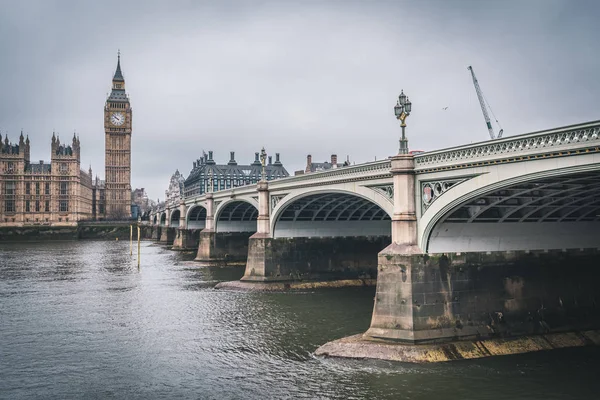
59, 192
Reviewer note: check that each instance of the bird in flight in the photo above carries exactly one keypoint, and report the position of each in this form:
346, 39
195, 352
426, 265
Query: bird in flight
444, 108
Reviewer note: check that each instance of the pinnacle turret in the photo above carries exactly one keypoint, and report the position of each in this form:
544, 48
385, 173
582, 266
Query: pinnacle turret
118, 75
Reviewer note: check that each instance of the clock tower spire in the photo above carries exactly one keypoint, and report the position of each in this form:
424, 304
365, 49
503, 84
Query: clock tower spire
117, 133
118, 80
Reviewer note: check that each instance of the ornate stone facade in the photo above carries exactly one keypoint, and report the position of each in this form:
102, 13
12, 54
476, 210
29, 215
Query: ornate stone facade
55, 193
59, 192
98, 199
139, 198
208, 176
174, 194
117, 128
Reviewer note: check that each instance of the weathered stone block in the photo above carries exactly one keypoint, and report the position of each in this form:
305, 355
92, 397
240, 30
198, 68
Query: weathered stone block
424, 298
294, 259
222, 246
167, 235
186, 239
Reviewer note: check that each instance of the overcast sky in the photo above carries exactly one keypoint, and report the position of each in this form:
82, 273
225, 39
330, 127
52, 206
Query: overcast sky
297, 77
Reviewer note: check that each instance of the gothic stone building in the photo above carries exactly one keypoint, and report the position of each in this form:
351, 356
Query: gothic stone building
117, 128
139, 199
98, 199
174, 194
224, 176
41, 193
59, 192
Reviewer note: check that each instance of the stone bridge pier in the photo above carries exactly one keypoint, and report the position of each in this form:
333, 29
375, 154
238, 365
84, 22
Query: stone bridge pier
168, 230
185, 238
224, 239
316, 239
155, 235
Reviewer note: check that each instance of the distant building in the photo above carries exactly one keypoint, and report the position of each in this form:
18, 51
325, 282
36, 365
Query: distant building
139, 198
135, 211
316, 167
54, 193
174, 194
230, 175
98, 199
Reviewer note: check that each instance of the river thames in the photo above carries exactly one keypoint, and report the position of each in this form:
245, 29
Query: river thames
79, 320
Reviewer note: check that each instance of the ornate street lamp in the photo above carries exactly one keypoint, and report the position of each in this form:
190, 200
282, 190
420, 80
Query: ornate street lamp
402, 110
263, 161
211, 183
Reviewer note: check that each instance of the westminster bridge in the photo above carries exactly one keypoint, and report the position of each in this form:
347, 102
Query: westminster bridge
493, 238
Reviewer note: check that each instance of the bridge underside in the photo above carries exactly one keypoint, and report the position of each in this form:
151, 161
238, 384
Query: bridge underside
332, 214
196, 218
237, 216
549, 213
234, 224
174, 221
319, 237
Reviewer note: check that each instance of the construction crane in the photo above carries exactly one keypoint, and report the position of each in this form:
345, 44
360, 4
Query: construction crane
484, 107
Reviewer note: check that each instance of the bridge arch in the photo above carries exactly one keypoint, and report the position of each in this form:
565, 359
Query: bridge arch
174, 218
327, 213
163, 219
236, 215
196, 217
154, 219
545, 209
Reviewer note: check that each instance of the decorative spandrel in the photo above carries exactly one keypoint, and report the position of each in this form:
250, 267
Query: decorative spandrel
386, 190
276, 199
431, 191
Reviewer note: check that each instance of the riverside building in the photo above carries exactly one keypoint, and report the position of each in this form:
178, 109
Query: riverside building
225, 176
58, 192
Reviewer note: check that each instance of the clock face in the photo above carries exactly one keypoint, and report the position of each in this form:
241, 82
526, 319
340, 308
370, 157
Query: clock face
117, 118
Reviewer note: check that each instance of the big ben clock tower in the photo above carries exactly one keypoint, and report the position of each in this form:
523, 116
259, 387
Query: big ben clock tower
117, 129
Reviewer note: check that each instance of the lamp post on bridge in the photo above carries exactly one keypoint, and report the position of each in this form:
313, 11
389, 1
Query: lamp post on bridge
263, 161
402, 110
263, 224
211, 183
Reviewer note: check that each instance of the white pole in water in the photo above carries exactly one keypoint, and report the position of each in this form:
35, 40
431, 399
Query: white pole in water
130, 240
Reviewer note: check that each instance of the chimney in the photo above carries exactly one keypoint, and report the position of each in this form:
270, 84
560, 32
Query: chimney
256, 157
277, 160
270, 160
194, 164
232, 158
209, 159
308, 163
334, 160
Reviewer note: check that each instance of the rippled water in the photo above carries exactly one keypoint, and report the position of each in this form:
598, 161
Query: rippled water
79, 320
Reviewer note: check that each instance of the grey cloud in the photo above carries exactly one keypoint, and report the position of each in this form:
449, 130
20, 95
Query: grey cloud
296, 77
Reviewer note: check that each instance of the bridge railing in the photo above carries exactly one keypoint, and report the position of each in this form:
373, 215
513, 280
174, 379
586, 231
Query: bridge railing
560, 139
366, 170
